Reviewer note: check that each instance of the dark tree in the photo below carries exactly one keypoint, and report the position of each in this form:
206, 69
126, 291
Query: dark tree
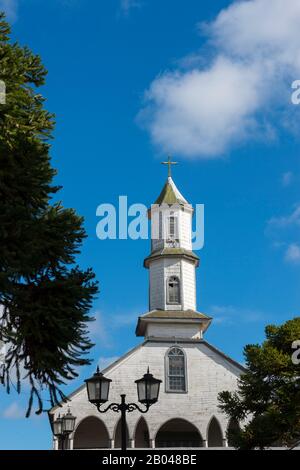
44, 296
268, 396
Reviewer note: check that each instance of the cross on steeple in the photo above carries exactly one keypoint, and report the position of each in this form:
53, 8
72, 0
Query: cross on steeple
169, 163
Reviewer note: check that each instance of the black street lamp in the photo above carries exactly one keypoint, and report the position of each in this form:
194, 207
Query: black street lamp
57, 427
63, 426
98, 391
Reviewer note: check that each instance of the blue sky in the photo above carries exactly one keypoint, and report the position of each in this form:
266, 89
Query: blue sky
210, 82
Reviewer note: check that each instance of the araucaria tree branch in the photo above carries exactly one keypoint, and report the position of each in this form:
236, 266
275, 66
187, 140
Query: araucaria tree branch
44, 297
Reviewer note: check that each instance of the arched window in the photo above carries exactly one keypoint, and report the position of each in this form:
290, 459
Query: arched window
214, 434
173, 290
172, 226
172, 231
175, 370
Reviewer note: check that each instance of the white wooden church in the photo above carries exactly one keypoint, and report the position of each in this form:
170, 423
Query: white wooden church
173, 346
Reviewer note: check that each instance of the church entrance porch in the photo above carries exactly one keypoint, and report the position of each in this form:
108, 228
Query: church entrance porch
214, 434
142, 435
91, 433
178, 433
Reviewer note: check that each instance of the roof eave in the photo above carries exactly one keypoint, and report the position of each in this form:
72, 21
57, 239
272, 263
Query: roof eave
142, 322
153, 257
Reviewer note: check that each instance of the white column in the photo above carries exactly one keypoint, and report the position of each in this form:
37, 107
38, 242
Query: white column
204, 443
152, 443
225, 443
71, 443
112, 443
131, 443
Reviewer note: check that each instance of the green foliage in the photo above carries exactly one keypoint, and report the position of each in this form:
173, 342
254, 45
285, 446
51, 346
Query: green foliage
268, 396
45, 298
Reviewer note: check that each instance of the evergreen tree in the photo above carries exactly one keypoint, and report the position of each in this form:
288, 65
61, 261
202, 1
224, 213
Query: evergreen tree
44, 296
268, 395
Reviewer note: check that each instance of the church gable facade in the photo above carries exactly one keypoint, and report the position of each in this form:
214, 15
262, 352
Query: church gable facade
192, 371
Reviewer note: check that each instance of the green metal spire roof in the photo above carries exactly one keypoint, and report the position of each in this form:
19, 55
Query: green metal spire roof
170, 194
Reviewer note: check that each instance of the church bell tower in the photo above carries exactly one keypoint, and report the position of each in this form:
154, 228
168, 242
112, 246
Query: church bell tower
172, 268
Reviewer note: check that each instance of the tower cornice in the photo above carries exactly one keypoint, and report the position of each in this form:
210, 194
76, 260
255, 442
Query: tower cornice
199, 322
172, 253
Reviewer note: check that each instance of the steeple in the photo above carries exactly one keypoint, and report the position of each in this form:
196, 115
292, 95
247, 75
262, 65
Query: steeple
170, 194
172, 267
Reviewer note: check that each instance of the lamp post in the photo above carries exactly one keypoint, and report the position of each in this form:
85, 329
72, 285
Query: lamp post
98, 391
63, 426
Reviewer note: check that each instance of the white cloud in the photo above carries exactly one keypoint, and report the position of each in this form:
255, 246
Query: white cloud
285, 234
127, 5
203, 111
287, 178
118, 321
10, 8
104, 329
291, 220
257, 30
292, 254
197, 113
230, 314
98, 330
13, 411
